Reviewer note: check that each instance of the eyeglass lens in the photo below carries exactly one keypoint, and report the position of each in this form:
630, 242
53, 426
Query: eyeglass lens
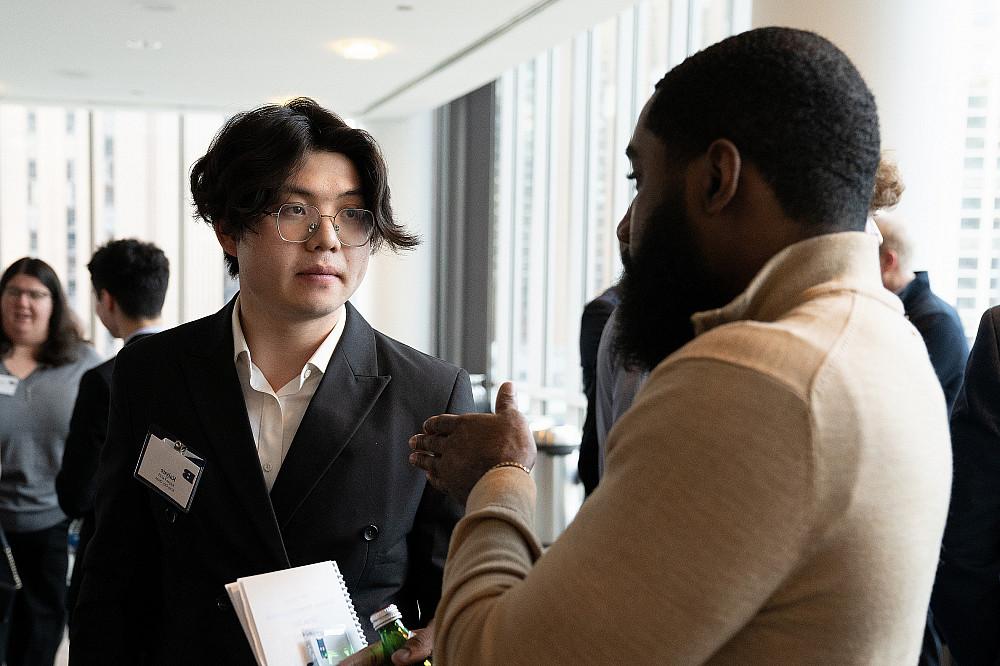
16, 293
299, 222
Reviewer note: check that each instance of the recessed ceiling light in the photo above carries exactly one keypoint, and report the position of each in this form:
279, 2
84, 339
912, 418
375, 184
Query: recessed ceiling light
144, 44
361, 48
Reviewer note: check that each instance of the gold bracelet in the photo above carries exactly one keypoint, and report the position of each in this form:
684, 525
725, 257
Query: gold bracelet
511, 463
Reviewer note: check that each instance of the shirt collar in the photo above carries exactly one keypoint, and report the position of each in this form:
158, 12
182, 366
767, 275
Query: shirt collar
319, 360
829, 262
148, 330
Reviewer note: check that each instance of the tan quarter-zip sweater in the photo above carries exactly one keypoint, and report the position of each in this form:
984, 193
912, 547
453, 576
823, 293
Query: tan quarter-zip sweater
776, 495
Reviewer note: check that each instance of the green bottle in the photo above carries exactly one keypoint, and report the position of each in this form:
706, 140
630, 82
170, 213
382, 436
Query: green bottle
388, 622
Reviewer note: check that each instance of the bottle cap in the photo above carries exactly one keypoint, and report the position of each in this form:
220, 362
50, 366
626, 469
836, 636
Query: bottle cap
387, 615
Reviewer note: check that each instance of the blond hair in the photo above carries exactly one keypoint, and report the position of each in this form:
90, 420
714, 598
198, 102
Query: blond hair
888, 186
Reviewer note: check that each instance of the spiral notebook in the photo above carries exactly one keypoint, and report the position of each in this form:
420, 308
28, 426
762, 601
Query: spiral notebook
283, 612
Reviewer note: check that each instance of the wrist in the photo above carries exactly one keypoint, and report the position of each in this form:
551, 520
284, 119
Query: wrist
511, 463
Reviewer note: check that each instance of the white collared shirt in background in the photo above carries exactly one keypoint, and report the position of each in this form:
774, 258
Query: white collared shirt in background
147, 330
275, 415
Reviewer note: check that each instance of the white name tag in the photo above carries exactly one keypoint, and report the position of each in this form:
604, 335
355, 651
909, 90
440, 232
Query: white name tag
8, 384
171, 469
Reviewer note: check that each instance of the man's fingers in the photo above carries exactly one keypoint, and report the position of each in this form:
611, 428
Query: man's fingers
370, 656
506, 398
420, 442
443, 424
417, 648
425, 460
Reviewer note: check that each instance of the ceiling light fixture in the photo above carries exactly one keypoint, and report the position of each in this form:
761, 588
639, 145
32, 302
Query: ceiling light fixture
361, 48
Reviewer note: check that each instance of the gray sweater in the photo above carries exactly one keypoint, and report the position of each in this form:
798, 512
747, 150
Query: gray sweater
33, 427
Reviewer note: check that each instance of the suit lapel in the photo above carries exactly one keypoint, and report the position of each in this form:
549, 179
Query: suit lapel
218, 400
346, 394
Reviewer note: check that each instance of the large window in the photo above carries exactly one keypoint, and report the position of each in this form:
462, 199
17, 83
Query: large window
75, 178
563, 121
979, 223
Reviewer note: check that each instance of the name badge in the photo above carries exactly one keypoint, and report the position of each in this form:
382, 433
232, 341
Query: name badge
8, 384
171, 469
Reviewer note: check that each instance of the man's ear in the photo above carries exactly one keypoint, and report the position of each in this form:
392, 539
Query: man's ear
888, 260
722, 177
107, 300
227, 241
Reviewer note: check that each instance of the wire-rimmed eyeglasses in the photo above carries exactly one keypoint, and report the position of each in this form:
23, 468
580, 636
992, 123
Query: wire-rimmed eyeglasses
298, 222
14, 293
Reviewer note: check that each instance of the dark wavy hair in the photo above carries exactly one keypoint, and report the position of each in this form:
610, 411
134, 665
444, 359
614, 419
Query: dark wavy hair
256, 152
794, 105
62, 344
134, 273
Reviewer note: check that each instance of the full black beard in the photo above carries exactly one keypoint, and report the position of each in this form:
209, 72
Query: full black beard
664, 283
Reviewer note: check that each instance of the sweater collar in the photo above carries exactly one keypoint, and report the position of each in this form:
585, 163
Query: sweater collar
830, 262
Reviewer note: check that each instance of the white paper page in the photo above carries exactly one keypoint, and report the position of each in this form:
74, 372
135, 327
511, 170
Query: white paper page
284, 603
239, 605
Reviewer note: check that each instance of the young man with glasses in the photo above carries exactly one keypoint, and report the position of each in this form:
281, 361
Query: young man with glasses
299, 409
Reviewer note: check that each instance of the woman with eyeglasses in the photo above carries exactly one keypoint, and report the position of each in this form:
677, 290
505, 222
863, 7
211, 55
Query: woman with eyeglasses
42, 356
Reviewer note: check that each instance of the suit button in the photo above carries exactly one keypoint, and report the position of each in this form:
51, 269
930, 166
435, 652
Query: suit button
222, 602
370, 533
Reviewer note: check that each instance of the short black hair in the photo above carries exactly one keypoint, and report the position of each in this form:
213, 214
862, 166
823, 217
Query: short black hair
794, 105
256, 152
62, 344
134, 273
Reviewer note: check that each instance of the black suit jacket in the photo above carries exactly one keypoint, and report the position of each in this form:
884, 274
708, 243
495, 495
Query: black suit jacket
153, 582
76, 483
966, 599
941, 329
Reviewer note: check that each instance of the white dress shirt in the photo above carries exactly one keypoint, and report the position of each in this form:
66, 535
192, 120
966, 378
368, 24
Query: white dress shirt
275, 415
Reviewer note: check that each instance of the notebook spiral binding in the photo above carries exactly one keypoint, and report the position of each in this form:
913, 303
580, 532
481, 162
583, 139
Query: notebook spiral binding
350, 605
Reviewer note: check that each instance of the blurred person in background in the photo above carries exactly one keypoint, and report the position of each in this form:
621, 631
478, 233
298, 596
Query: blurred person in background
130, 284
966, 599
936, 321
595, 316
42, 357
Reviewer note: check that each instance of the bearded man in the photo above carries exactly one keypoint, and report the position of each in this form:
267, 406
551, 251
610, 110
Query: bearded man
775, 494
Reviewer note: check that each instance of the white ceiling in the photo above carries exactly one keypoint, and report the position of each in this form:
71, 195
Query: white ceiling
234, 54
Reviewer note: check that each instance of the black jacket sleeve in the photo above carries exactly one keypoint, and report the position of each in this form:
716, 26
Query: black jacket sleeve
948, 351
966, 600
111, 625
595, 316
76, 483
436, 518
